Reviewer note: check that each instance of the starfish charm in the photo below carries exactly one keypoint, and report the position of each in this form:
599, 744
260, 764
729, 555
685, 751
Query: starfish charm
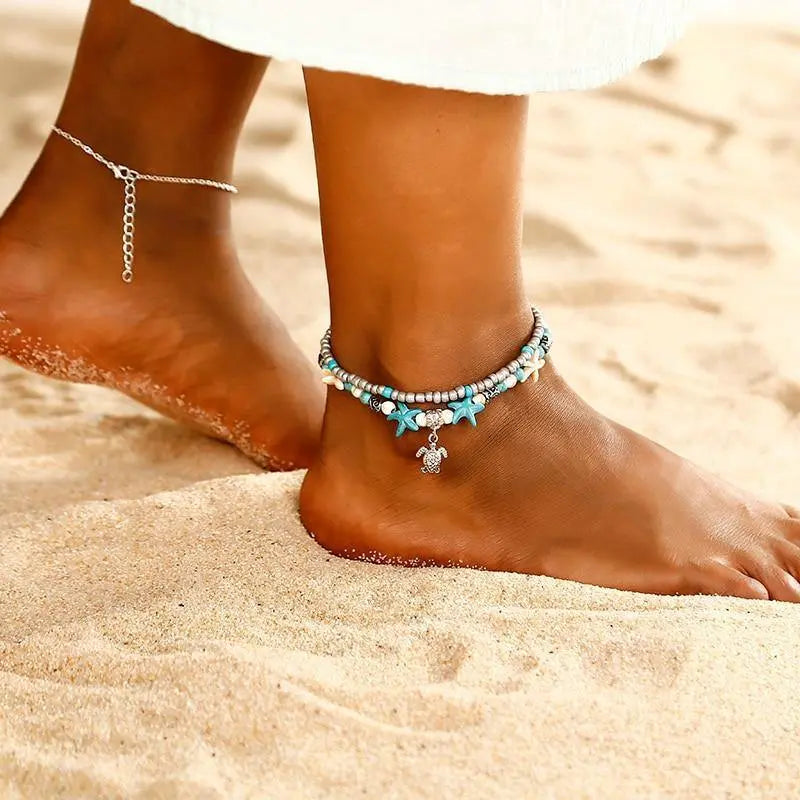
405, 418
466, 409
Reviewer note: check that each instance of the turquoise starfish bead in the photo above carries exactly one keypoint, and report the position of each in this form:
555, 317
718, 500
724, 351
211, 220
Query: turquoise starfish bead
405, 418
466, 409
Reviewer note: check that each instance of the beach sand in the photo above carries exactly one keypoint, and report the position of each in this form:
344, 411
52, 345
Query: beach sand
167, 628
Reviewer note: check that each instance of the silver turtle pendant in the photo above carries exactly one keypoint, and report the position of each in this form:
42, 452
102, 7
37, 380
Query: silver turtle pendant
431, 459
431, 454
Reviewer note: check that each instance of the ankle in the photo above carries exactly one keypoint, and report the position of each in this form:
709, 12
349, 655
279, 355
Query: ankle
129, 136
71, 201
423, 346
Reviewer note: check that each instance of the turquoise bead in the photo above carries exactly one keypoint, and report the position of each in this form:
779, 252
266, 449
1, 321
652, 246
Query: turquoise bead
503, 387
387, 392
519, 375
365, 397
348, 386
467, 391
527, 350
332, 364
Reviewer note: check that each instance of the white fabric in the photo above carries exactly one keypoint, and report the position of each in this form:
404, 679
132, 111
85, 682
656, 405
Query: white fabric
490, 46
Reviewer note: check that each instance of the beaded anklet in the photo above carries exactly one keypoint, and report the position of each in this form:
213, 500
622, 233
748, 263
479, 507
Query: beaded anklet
463, 402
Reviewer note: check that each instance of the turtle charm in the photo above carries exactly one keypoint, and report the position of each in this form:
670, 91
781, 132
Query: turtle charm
431, 453
431, 458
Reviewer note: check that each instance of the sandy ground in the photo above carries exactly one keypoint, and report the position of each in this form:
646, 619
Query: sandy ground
168, 630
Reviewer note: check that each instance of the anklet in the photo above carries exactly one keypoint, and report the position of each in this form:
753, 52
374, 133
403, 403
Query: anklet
129, 177
463, 402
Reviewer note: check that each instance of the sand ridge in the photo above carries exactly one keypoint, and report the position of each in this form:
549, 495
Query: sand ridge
167, 628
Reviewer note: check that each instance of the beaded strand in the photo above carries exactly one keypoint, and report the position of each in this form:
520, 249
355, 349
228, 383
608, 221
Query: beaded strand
513, 371
463, 401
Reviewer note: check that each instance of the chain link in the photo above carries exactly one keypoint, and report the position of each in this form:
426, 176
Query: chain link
129, 177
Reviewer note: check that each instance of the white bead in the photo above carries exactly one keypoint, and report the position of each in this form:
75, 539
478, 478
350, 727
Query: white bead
387, 406
448, 416
420, 419
338, 384
480, 399
356, 392
511, 381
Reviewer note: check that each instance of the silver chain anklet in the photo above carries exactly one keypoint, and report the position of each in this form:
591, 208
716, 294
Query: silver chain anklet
129, 177
464, 402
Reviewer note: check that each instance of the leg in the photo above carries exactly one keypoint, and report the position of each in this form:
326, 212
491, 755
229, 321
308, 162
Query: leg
141, 90
420, 197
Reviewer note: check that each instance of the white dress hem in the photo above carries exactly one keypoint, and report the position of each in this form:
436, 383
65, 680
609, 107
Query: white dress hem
339, 55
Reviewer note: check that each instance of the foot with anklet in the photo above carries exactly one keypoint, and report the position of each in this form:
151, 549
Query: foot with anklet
620, 511
432, 339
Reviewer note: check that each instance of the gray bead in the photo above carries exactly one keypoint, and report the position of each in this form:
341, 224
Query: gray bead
461, 393
488, 383
474, 387
503, 374
395, 394
452, 396
437, 397
481, 385
428, 397
419, 397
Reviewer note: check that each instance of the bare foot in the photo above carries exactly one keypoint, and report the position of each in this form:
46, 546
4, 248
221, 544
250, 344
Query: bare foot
545, 485
190, 337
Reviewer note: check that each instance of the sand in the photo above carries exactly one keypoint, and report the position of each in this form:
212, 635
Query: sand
168, 630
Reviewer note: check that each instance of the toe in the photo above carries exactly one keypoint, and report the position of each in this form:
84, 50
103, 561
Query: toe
781, 584
731, 582
791, 511
788, 556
